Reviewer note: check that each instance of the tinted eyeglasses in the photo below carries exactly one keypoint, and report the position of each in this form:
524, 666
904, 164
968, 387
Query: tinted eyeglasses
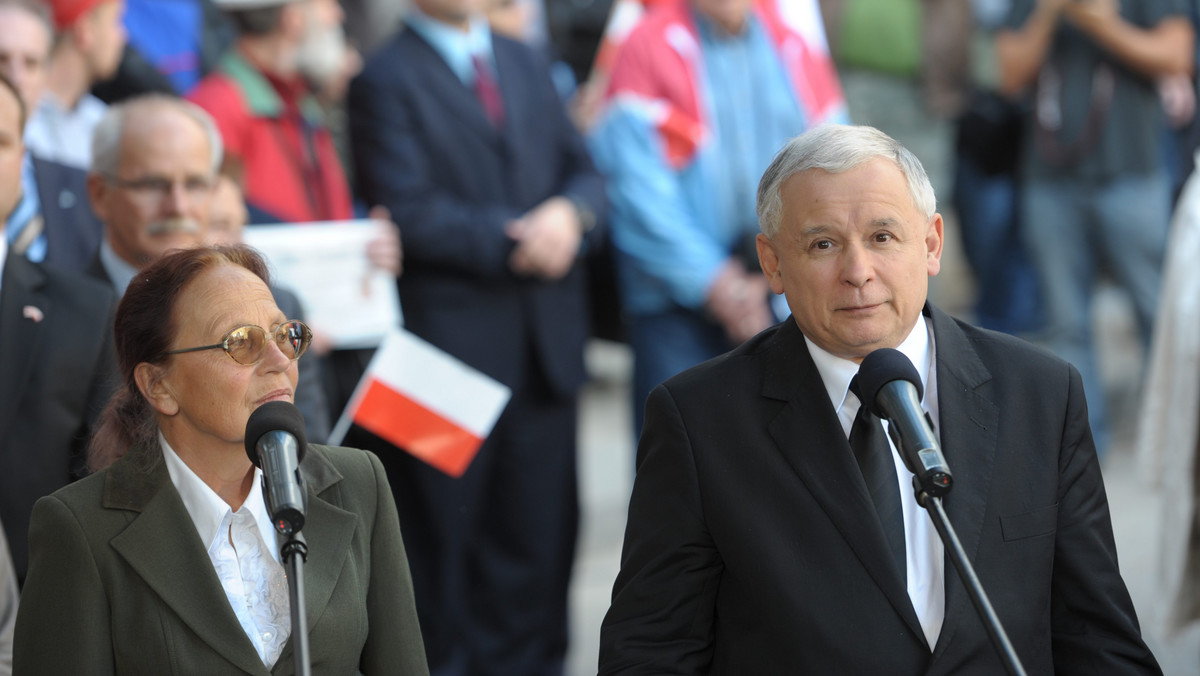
247, 344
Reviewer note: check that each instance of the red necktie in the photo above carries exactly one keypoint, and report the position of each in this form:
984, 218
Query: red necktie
488, 91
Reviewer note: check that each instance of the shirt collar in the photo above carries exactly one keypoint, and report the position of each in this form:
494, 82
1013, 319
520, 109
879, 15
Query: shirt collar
29, 186
260, 96
454, 46
119, 272
29, 204
49, 104
836, 372
207, 509
713, 33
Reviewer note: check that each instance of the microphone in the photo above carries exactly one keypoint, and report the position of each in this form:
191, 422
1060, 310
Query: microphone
276, 443
891, 389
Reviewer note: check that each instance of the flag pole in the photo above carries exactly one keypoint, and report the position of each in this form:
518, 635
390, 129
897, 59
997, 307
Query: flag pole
338, 434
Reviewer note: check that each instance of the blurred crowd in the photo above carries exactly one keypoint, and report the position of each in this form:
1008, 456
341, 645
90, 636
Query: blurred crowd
548, 171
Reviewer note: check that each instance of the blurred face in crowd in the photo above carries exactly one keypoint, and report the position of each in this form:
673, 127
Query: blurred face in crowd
159, 197
204, 398
854, 256
24, 48
322, 52
457, 13
510, 17
103, 37
12, 150
729, 14
227, 215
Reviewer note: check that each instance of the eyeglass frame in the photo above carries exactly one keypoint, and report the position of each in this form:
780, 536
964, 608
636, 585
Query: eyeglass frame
158, 187
224, 344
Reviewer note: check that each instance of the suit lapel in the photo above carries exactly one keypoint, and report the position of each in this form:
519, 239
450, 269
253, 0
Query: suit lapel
96, 270
162, 547
329, 529
515, 90
163, 552
19, 335
457, 98
46, 176
968, 420
810, 438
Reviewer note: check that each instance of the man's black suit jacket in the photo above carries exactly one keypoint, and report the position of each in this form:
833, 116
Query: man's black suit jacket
751, 546
57, 371
424, 148
73, 232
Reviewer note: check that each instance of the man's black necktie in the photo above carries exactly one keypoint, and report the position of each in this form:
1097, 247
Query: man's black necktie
874, 456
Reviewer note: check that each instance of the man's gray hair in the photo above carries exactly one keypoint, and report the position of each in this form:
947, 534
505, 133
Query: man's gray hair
837, 148
107, 135
35, 8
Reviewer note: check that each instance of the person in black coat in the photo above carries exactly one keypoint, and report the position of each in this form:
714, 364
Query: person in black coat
57, 364
753, 545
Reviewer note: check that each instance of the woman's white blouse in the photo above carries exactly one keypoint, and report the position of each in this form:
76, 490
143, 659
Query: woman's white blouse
249, 570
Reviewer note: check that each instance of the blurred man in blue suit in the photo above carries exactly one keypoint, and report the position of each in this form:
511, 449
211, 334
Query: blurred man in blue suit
461, 134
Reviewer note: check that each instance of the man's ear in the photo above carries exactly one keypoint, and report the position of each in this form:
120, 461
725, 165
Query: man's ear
934, 239
97, 190
153, 386
768, 260
81, 32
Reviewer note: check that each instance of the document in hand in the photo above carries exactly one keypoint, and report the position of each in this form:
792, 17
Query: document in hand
426, 402
344, 297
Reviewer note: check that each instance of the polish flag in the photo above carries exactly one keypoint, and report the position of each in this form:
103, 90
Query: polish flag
426, 402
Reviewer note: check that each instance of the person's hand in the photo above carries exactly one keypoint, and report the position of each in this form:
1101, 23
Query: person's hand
587, 101
547, 238
1178, 99
739, 302
384, 250
1092, 16
1054, 6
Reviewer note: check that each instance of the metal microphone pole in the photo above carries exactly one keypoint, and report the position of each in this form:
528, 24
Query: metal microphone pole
294, 552
958, 556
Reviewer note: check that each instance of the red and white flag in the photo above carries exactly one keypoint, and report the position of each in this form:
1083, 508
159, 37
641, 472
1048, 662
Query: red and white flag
426, 402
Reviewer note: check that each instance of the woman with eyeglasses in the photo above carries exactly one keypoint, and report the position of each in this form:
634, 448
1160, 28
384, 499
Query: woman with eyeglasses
165, 561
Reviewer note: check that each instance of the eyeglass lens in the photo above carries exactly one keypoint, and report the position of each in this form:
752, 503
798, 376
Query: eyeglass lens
246, 344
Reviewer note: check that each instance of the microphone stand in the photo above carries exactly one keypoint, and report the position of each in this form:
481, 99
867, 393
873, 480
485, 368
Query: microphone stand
958, 556
294, 552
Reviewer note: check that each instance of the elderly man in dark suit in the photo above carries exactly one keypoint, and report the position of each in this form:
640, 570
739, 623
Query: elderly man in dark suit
461, 134
57, 365
754, 545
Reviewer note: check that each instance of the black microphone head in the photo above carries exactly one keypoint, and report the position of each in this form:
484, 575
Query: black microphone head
271, 417
879, 368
